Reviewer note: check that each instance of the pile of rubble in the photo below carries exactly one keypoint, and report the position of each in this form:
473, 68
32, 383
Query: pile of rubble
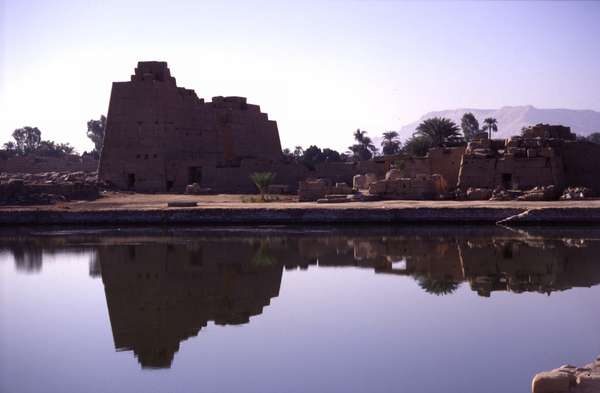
196, 189
520, 147
47, 188
52, 177
576, 193
541, 193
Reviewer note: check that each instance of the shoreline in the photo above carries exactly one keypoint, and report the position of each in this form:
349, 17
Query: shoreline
152, 209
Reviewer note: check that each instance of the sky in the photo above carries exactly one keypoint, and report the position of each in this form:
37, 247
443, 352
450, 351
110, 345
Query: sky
320, 69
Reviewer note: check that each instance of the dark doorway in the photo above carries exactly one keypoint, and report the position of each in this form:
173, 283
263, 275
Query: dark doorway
130, 181
169, 185
195, 174
507, 180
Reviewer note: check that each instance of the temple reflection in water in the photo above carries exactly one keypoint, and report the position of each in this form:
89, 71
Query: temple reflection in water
164, 288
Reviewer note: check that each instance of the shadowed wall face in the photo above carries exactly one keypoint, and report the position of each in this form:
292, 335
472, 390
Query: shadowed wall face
160, 137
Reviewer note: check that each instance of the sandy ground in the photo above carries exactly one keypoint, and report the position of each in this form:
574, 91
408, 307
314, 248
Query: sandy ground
127, 201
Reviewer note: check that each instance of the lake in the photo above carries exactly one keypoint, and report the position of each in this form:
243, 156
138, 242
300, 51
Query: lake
289, 309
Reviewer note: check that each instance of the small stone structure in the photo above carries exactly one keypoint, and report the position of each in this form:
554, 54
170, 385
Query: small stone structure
444, 161
315, 189
362, 182
422, 186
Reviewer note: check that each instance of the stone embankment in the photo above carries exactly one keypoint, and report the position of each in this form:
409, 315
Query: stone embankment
569, 379
122, 209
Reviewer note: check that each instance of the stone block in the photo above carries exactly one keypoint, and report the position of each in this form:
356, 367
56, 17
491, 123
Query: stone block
551, 382
588, 383
378, 187
394, 174
479, 194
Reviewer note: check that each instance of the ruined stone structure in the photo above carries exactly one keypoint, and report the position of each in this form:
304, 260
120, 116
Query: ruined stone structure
421, 186
544, 155
160, 137
443, 161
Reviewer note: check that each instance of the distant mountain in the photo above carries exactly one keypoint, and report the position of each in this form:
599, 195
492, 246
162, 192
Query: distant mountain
512, 118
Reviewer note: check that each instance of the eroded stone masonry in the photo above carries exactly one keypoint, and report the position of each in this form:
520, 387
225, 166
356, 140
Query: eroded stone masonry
161, 137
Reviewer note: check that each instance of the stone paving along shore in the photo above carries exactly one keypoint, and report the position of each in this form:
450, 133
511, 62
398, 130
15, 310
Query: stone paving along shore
123, 208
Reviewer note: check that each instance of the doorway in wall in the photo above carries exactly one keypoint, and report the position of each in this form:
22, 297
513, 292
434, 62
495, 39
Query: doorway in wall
507, 180
195, 174
130, 181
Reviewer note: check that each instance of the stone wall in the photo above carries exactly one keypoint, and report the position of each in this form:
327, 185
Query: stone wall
40, 164
443, 161
582, 165
517, 163
511, 172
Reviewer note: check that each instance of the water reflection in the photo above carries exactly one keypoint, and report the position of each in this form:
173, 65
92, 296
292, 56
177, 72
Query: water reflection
164, 287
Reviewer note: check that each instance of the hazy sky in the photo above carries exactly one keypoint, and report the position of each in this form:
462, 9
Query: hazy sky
321, 69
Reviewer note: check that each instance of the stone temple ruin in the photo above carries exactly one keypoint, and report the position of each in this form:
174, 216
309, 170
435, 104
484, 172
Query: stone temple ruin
544, 156
162, 138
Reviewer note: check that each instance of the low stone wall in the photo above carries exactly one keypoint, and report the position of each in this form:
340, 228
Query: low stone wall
259, 215
39, 164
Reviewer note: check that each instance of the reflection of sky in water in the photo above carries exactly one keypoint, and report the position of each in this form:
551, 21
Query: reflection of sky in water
329, 329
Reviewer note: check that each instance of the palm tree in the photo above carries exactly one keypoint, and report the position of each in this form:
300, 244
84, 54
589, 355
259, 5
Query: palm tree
417, 145
490, 125
298, 151
364, 149
262, 180
438, 130
390, 144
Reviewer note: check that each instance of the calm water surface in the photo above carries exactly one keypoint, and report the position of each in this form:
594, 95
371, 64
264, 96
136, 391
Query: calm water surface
283, 310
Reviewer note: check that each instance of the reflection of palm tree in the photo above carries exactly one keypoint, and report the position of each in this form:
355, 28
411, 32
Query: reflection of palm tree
437, 286
263, 256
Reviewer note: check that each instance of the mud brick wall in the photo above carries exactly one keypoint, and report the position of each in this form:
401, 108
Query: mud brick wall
443, 161
40, 164
582, 164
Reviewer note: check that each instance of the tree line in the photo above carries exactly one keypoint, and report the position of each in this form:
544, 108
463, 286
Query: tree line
28, 141
433, 132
